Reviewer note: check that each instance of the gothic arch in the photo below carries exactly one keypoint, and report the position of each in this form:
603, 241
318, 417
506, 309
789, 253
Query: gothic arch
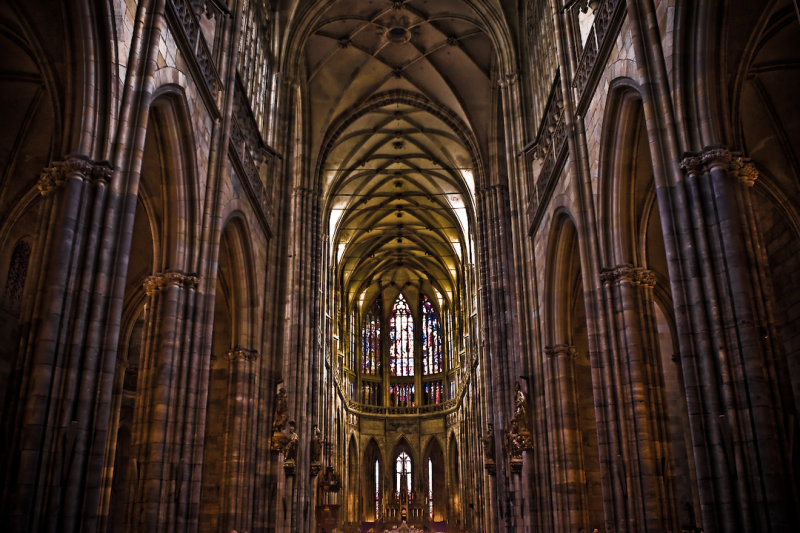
169, 180
236, 256
230, 380
573, 387
635, 256
563, 262
433, 453
68, 42
454, 481
352, 482
372, 510
617, 212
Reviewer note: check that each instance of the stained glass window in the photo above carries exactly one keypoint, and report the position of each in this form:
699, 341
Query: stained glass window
430, 489
401, 395
377, 490
451, 347
401, 339
403, 474
434, 392
351, 343
431, 339
371, 341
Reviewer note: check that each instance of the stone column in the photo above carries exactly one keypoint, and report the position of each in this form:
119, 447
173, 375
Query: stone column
54, 468
301, 348
236, 507
570, 510
645, 446
498, 365
742, 432
164, 405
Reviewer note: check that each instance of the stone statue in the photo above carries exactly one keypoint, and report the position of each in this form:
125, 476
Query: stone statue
521, 410
316, 444
281, 410
292, 442
488, 444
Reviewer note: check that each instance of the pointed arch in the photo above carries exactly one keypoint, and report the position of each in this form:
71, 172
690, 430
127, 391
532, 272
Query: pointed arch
374, 482
576, 436
169, 179
401, 338
633, 235
435, 485
352, 481
454, 482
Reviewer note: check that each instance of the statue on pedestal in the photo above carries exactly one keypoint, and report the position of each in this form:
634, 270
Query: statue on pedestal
290, 450
281, 410
316, 450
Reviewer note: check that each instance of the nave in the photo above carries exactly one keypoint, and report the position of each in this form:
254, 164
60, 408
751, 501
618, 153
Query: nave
412, 265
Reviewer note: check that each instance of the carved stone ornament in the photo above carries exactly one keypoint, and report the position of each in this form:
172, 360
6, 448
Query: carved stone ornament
628, 273
331, 481
720, 157
159, 282
517, 440
75, 166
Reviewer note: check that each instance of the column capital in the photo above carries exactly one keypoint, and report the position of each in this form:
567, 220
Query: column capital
78, 166
160, 281
628, 273
720, 157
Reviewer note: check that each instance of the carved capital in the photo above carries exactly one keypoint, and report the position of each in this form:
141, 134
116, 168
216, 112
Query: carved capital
720, 157
691, 164
76, 166
158, 282
717, 157
628, 273
645, 277
561, 350
617, 273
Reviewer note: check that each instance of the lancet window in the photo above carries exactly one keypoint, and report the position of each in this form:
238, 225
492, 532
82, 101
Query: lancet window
377, 490
403, 474
401, 339
371, 341
431, 339
430, 489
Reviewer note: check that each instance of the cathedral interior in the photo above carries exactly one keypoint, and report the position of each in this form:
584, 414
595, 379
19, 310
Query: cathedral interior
400, 265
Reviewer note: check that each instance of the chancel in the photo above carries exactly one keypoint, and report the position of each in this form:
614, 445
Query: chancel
400, 265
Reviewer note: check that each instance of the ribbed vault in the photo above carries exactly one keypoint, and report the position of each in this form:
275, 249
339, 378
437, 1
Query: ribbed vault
400, 96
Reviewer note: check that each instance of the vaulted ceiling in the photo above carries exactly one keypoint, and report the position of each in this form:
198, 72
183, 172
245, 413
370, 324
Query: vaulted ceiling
400, 96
